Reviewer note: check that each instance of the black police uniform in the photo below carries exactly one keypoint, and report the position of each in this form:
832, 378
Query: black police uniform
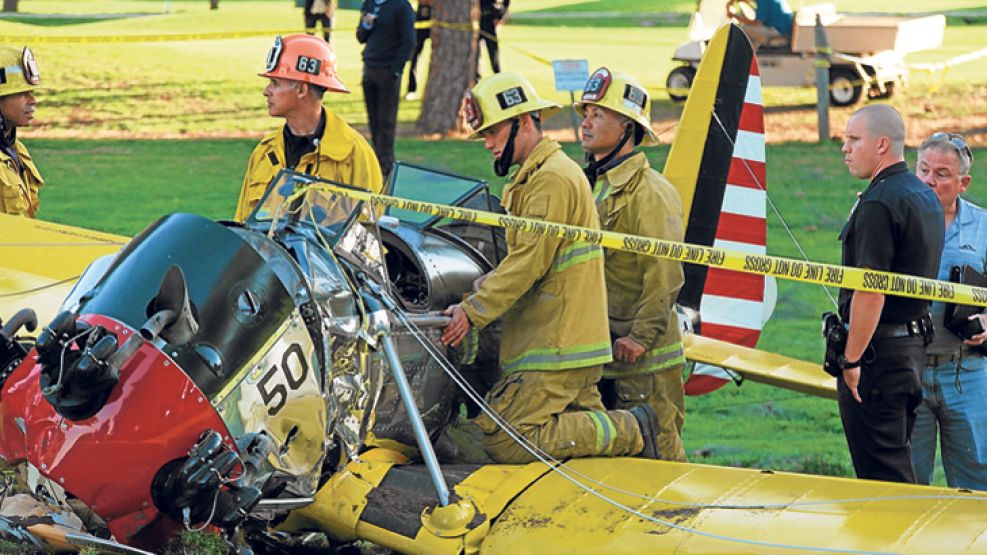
896, 226
390, 40
422, 15
491, 11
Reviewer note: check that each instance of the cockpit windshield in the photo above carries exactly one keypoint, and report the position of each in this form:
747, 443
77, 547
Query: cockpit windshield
428, 185
285, 202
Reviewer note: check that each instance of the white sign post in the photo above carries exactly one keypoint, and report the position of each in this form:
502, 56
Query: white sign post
571, 76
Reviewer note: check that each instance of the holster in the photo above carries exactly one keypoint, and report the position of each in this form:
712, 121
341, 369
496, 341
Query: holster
835, 334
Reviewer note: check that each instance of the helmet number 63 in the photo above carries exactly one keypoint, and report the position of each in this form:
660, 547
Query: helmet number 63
309, 65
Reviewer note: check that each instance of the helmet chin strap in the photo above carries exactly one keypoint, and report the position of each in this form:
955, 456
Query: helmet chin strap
593, 166
503, 164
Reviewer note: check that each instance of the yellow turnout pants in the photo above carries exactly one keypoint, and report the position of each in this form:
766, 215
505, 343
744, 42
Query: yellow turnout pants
561, 413
664, 392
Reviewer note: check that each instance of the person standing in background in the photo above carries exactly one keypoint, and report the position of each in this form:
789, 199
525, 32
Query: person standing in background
300, 70
316, 11
387, 28
423, 16
954, 380
492, 12
895, 226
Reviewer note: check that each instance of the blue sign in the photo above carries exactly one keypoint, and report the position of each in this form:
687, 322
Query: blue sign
570, 75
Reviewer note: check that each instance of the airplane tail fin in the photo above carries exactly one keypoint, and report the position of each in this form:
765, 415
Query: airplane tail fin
717, 163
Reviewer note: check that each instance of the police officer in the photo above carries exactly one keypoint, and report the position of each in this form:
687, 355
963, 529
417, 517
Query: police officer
492, 12
634, 199
387, 28
954, 380
550, 293
896, 226
423, 16
19, 177
300, 69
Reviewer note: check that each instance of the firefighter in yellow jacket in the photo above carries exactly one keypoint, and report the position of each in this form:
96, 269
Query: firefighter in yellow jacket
19, 177
550, 294
634, 199
300, 69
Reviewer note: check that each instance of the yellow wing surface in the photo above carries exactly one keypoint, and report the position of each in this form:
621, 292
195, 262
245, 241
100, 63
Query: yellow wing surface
41, 261
761, 366
646, 507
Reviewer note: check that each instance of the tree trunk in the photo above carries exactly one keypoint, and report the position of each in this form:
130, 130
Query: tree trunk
453, 65
213, 4
10, 5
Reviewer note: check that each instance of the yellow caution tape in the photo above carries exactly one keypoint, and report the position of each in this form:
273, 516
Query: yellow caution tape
785, 268
428, 24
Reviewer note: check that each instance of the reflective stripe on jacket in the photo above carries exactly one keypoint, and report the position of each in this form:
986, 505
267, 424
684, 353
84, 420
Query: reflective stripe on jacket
19, 189
549, 291
632, 198
343, 155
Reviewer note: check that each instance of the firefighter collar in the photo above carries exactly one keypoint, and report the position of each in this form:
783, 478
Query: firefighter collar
621, 175
545, 148
337, 140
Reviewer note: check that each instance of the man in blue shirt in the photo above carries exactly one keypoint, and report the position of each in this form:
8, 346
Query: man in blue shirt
954, 381
772, 19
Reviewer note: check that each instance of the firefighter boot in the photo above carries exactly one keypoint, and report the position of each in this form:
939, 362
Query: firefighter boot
648, 421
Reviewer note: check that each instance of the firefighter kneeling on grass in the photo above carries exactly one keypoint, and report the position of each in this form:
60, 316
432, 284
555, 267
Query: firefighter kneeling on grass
19, 177
634, 199
550, 293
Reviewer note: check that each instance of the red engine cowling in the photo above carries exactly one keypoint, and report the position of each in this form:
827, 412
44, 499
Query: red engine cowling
108, 461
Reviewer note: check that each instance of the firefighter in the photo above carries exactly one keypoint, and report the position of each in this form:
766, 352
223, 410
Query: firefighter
634, 199
19, 177
300, 69
550, 294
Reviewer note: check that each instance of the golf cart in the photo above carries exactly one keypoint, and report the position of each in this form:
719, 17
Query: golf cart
868, 50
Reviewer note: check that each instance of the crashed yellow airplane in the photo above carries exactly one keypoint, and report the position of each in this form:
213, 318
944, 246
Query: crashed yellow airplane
229, 375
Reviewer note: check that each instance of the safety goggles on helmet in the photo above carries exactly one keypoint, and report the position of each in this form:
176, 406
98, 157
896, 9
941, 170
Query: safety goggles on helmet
303, 58
18, 70
620, 93
957, 142
500, 97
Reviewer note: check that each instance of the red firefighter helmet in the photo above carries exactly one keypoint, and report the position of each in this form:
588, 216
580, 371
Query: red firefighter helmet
303, 58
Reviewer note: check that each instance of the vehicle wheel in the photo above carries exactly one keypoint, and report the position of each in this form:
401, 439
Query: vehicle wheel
888, 91
679, 80
845, 86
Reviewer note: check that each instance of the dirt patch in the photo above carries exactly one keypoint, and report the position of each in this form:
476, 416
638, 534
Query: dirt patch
675, 516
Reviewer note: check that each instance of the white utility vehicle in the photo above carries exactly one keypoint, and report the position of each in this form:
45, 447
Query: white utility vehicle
868, 50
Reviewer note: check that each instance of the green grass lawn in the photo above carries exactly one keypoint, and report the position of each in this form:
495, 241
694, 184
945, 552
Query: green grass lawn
122, 186
210, 88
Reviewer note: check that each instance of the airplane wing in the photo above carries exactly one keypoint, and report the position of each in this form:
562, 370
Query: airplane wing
761, 366
625, 505
42, 261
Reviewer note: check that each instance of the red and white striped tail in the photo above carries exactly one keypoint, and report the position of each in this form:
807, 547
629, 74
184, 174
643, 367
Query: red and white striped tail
733, 303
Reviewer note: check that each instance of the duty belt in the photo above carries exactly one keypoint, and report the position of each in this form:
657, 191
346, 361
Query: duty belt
914, 328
